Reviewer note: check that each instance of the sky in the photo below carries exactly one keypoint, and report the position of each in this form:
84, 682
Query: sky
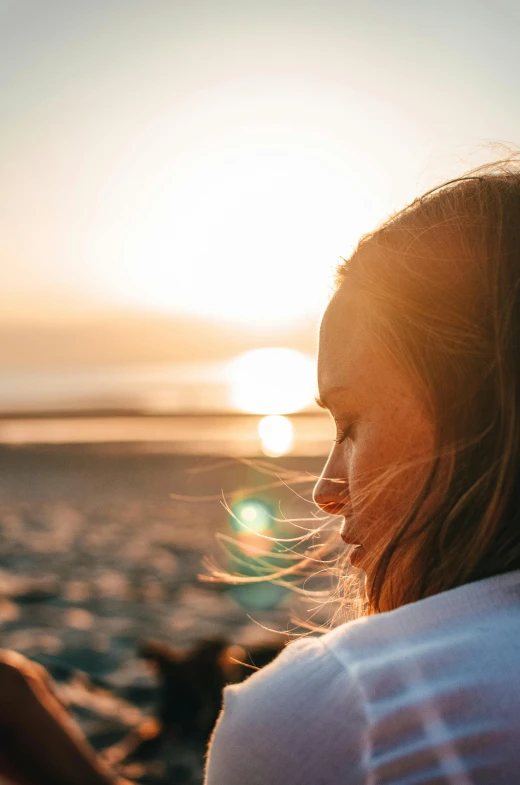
216, 158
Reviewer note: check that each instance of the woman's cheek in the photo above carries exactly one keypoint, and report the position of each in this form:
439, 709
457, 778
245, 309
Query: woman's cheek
373, 487
354, 472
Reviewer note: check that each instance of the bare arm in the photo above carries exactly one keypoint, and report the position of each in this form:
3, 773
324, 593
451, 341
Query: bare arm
40, 744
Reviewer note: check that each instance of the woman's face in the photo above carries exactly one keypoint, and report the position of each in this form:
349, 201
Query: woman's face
382, 427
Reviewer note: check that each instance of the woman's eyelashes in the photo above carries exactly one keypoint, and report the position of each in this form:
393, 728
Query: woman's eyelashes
343, 434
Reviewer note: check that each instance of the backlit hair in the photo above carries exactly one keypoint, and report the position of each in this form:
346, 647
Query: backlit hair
441, 283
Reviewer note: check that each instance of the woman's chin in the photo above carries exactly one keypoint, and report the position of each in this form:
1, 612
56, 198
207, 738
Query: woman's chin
355, 550
356, 555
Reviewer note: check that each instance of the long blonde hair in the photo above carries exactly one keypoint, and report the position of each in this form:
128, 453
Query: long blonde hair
441, 281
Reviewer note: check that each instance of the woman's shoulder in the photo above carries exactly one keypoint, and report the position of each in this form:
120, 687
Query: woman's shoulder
325, 709
299, 719
453, 654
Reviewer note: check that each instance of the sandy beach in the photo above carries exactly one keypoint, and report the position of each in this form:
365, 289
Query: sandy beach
96, 557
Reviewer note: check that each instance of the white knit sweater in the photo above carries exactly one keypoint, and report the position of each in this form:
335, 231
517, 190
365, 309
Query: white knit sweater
423, 695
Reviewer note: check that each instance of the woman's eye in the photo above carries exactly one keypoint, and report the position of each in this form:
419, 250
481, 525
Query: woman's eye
344, 434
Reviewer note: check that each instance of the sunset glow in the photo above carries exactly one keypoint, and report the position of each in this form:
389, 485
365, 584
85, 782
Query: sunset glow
162, 162
249, 225
272, 381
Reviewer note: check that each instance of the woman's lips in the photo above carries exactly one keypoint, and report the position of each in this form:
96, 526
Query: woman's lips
346, 526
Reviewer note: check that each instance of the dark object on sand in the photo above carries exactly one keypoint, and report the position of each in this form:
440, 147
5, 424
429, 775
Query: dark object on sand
192, 681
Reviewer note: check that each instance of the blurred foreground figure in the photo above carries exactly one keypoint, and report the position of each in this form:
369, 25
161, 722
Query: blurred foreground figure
40, 744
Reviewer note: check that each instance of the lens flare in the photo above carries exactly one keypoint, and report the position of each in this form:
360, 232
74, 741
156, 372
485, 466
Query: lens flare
251, 514
253, 553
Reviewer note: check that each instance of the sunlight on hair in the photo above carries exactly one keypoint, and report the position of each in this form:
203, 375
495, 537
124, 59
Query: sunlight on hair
271, 559
276, 435
272, 381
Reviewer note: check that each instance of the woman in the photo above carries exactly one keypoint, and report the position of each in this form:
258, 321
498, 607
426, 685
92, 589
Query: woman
419, 365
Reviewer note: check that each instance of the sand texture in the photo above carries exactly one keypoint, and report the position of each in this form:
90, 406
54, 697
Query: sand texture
96, 558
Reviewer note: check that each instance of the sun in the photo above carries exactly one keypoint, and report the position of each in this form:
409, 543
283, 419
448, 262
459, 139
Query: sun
272, 381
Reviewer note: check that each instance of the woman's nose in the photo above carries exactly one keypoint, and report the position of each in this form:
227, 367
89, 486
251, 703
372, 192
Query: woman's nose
331, 494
